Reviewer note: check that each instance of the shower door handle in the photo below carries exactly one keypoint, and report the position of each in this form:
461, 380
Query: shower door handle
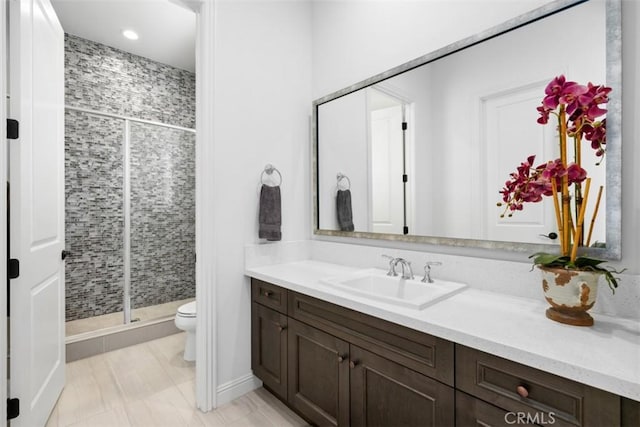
65, 254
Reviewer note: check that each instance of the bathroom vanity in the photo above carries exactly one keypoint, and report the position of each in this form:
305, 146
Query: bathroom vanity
343, 360
476, 356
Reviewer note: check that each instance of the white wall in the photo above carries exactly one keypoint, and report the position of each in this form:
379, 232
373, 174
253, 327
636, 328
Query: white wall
261, 115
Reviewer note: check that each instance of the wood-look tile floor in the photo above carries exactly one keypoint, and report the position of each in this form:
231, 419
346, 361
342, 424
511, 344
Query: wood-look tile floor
150, 385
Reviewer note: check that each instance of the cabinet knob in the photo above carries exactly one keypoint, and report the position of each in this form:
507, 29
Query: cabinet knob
281, 328
341, 358
522, 391
353, 364
268, 293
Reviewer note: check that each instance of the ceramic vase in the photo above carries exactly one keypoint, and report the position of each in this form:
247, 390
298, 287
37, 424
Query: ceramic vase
571, 293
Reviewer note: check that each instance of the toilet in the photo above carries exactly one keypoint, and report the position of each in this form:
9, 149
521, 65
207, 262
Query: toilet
186, 320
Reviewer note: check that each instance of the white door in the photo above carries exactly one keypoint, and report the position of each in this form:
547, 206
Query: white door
36, 163
387, 159
511, 135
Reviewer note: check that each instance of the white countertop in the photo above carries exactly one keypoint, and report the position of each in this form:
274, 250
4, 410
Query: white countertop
605, 356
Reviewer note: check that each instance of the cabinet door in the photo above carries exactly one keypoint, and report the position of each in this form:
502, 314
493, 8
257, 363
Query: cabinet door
385, 393
318, 375
630, 412
269, 348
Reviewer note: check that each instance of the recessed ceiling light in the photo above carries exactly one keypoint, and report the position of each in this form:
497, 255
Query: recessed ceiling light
130, 34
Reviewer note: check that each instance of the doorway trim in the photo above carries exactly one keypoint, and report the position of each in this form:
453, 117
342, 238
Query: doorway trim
3, 217
408, 154
206, 257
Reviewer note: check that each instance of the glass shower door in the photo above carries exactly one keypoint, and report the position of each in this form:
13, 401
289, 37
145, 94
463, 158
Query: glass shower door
160, 200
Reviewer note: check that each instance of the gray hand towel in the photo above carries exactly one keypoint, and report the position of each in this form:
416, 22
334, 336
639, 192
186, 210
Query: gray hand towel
345, 216
270, 216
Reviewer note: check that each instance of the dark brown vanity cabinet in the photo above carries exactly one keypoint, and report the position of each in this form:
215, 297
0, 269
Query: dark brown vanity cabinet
346, 368
340, 367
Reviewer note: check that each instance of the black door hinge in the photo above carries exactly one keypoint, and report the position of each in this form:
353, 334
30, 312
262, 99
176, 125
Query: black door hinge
12, 129
13, 408
405, 230
13, 268
405, 178
404, 125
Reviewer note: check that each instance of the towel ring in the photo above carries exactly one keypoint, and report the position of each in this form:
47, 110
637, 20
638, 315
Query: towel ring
269, 170
340, 177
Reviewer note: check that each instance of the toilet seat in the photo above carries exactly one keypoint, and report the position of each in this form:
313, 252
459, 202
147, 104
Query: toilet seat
187, 310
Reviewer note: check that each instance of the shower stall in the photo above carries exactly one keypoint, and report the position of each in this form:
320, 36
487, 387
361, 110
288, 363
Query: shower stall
130, 219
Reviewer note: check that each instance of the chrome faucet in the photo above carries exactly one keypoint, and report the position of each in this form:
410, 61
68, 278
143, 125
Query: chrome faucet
427, 271
407, 273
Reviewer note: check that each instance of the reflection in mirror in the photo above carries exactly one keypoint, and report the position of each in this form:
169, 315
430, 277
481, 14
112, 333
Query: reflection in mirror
366, 125
428, 150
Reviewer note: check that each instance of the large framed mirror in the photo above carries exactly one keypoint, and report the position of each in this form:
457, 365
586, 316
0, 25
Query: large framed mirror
424, 148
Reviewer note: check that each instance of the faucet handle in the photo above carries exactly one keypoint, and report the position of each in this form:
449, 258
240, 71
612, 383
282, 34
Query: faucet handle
392, 265
427, 271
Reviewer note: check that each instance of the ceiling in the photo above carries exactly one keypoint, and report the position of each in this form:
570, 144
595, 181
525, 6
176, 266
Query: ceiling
167, 30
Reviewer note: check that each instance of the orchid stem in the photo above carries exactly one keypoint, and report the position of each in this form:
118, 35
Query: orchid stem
556, 205
593, 218
566, 212
578, 186
578, 231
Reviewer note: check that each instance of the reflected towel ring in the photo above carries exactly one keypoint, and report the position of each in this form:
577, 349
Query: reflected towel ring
340, 177
269, 170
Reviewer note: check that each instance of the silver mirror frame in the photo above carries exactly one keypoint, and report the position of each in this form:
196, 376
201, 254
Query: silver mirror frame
613, 250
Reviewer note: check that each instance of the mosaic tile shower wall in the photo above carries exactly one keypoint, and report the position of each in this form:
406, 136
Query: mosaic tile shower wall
162, 181
103, 78
94, 270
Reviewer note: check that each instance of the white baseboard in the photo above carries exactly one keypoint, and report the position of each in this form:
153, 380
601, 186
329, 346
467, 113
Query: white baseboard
236, 388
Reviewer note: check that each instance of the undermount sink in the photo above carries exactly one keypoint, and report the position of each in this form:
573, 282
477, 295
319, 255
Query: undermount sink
375, 284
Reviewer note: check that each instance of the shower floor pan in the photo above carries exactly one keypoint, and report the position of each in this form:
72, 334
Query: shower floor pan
99, 334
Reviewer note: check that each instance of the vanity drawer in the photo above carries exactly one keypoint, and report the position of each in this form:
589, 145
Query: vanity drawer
472, 412
502, 383
416, 350
269, 295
